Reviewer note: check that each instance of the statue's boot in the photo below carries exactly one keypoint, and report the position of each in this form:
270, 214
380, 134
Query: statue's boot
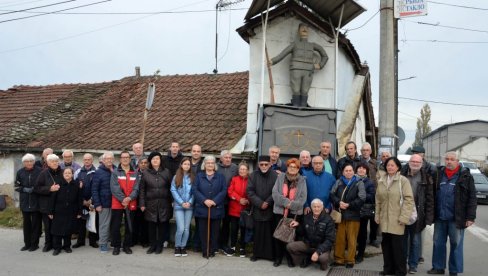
295, 100
303, 101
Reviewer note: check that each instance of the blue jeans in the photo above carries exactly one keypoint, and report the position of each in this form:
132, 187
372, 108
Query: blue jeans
412, 246
442, 230
183, 219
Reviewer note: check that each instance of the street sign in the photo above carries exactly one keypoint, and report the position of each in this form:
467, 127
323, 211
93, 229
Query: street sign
409, 8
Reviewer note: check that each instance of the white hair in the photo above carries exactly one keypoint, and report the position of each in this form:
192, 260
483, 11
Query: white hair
225, 152
52, 157
317, 201
68, 151
209, 158
452, 153
367, 145
305, 153
108, 154
28, 157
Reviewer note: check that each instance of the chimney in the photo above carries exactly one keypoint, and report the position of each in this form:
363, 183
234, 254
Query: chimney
138, 71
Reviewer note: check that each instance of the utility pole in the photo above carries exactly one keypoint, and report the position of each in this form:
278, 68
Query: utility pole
388, 75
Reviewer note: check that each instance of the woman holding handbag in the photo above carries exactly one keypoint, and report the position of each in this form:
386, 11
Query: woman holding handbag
237, 203
347, 196
289, 195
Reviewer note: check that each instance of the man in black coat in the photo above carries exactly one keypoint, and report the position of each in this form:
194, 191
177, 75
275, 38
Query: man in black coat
351, 157
259, 189
318, 231
455, 210
423, 191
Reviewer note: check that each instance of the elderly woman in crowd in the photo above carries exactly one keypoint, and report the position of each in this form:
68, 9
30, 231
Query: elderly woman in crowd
362, 171
238, 202
289, 195
47, 182
392, 216
209, 191
183, 203
318, 232
29, 205
347, 195
65, 206
155, 200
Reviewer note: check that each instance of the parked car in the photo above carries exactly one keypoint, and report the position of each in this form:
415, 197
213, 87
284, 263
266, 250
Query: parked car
481, 183
470, 165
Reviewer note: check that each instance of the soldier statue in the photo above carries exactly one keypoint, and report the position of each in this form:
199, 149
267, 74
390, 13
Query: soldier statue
302, 65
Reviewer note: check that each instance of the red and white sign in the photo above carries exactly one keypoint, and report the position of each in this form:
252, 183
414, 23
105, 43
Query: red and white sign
408, 8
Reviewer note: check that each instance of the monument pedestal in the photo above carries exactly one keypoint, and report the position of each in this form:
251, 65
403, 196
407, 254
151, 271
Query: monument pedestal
294, 129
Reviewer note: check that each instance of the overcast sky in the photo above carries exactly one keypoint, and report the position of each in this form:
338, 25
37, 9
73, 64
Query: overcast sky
86, 48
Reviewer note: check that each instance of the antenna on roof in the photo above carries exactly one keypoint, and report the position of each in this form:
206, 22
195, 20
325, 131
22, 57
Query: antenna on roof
221, 4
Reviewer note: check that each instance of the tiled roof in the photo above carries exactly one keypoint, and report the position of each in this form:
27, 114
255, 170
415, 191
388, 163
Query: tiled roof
206, 109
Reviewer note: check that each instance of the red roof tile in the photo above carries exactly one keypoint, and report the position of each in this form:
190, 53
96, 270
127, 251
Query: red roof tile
206, 109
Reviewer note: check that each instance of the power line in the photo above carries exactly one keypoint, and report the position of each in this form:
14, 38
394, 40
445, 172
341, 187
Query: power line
364, 24
444, 41
46, 13
94, 30
427, 101
458, 6
38, 7
134, 13
448, 27
16, 3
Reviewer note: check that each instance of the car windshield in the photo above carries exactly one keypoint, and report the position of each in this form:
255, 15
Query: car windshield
480, 179
469, 165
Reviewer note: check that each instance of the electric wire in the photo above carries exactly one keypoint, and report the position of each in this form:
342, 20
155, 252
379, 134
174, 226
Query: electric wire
38, 7
46, 13
439, 102
458, 6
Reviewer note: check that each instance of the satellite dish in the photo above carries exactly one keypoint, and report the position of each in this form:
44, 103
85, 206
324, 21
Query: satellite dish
401, 136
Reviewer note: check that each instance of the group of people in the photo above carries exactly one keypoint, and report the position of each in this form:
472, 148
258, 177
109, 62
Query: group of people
328, 202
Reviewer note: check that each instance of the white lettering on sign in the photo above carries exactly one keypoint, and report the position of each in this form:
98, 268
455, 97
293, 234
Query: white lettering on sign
407, 8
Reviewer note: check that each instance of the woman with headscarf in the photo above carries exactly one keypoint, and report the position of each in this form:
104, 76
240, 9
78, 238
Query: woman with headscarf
347, 196
289, 195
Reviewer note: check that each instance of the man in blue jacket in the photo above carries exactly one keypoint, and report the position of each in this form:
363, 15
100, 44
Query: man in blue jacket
102, 198
319, 183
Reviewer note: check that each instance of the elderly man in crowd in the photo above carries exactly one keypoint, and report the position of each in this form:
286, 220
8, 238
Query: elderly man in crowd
229, 170
423, 192
102, 197
330, 164
43, 162
455, 210
85, 175
319, 182
29, 204
276, 164
381, 171
68, 156
366, 158
318, 232
305, 161
138, 150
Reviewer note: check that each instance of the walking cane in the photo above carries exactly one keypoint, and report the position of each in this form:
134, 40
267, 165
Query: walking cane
208, 234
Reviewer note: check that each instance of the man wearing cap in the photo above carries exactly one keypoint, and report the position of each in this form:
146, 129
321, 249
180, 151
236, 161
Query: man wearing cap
259, 191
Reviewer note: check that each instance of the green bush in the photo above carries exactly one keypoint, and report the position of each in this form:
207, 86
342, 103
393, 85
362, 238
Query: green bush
11, 217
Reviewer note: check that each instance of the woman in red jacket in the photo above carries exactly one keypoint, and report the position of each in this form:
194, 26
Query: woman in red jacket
238, 201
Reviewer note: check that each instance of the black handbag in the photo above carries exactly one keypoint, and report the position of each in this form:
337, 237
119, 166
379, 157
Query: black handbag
246, 219
367, 210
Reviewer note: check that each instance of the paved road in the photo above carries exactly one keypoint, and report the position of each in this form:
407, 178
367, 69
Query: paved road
88, 261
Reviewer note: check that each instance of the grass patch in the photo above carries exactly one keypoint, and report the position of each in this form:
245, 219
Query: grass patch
11, 217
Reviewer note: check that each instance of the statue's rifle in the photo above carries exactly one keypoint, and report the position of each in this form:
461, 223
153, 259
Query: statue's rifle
270, 74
